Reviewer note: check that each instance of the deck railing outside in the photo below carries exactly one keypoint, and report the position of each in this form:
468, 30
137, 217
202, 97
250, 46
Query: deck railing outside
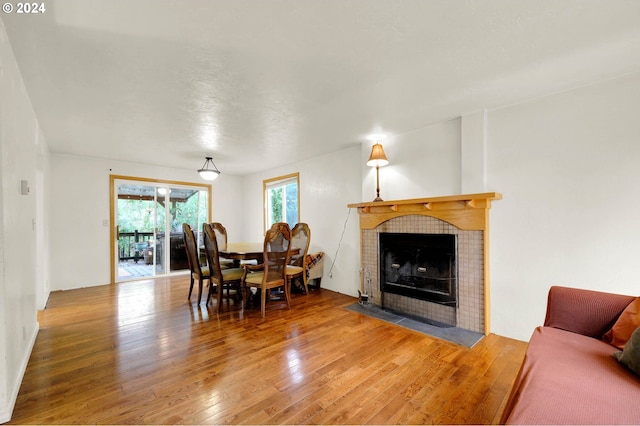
132, 245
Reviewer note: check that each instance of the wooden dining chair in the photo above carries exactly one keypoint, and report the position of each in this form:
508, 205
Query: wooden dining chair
221, 278
198, 272
221, 235
297, 267
272, 272
222, 239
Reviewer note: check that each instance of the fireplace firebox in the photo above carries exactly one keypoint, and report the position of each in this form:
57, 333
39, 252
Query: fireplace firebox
419, 266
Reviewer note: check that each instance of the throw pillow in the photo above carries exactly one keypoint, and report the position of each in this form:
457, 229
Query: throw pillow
627, 322
630, 356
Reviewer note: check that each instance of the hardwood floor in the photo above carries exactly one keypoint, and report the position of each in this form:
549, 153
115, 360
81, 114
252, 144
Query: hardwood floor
138, 352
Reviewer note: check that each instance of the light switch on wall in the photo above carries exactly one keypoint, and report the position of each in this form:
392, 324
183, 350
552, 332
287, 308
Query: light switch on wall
24, 187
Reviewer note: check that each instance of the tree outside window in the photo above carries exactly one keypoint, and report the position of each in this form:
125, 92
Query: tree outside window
282, 200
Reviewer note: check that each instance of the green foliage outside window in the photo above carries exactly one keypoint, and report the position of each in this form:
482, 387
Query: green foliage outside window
135, 215
276, 204
283, 203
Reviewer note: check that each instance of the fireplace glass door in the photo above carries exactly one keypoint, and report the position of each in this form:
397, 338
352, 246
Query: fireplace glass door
420, 266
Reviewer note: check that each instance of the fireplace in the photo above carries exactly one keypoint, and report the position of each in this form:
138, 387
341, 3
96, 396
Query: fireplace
457, 294
419, 266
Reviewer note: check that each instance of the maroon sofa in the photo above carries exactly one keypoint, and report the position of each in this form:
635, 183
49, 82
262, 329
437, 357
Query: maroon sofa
569, 374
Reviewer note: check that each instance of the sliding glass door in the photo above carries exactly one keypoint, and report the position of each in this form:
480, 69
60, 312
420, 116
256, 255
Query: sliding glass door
148, 216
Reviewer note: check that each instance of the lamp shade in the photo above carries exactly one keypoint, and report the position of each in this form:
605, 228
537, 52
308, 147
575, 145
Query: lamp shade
377, 157
208, 174
209, 171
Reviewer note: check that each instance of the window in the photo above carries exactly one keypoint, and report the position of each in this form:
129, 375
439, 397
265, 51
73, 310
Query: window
282, 200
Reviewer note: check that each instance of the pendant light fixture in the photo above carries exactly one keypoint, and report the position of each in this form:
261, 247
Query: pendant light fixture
209, 171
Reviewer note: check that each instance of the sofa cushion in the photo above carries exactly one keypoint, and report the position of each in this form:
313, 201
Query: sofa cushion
628, 321
587, 312
630, 356
568, 378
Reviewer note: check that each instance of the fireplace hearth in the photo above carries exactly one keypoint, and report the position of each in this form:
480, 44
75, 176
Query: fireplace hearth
455, 281
419, 266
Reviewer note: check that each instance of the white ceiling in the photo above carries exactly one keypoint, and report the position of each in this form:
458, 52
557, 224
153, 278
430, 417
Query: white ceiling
261, 83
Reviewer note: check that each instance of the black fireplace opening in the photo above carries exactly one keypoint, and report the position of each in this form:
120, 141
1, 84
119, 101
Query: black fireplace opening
419, 266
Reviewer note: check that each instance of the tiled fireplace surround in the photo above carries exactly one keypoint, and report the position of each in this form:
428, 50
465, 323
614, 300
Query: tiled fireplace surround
463, 215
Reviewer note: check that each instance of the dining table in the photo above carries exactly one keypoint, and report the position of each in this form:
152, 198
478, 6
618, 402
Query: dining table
248, 251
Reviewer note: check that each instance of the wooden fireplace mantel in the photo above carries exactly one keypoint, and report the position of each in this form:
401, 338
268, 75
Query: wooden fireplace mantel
466, 211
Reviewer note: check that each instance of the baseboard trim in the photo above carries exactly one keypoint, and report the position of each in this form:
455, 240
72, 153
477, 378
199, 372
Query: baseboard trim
7, 411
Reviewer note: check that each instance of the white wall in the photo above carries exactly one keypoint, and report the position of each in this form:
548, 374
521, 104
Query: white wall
422, 163
327, 184
80, 204
568, 168
42, 186
23, 156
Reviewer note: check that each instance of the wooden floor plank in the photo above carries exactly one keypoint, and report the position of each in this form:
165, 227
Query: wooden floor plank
139, 352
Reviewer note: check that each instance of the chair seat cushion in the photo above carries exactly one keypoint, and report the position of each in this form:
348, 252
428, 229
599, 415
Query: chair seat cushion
205, 272
232, 274
294, 270
254, 278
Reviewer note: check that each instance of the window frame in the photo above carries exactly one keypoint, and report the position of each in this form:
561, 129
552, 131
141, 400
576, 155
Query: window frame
276, 182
